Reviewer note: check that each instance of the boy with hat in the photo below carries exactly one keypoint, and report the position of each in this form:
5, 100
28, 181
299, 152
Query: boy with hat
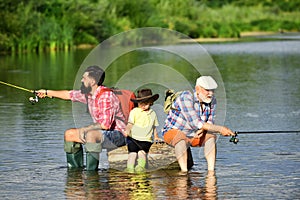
140, 128
191, 122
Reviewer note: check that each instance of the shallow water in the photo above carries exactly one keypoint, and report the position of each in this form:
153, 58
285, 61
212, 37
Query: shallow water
262, 91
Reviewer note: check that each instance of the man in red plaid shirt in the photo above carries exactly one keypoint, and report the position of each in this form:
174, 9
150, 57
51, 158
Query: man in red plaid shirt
104, 108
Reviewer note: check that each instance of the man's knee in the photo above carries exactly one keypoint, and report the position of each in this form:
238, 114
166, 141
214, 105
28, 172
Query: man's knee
173, 136
210, 137
72, 135
94, 136
182, 145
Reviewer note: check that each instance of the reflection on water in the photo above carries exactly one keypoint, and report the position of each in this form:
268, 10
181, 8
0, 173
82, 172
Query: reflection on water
155, 185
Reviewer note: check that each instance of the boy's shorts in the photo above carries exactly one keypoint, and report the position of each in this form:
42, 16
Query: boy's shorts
134, 145
173, 136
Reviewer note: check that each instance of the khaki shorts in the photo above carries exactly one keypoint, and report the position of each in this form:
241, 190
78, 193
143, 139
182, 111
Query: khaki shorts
173, 136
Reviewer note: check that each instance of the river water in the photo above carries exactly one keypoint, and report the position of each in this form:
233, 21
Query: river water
261, 80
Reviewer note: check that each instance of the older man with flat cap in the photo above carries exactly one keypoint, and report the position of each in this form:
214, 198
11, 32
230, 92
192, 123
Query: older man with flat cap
190, 122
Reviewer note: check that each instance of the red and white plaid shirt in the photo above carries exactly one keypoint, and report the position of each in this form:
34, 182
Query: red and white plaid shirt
104, 107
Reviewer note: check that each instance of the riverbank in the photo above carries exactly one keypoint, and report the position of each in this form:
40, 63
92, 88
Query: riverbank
243, 36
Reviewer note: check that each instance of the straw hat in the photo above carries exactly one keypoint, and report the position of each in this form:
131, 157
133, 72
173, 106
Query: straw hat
145, 95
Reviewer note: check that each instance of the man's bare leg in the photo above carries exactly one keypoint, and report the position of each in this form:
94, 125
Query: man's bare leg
181, 155
94, 136
210, 153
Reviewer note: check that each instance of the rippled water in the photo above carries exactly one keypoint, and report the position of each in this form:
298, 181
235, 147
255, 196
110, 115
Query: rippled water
262, 88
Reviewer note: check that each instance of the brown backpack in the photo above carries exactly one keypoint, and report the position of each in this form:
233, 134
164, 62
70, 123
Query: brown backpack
124, 97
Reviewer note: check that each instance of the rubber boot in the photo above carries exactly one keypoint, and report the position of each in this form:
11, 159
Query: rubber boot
92, 155
131, 162
130, 168
74, 153
141, 165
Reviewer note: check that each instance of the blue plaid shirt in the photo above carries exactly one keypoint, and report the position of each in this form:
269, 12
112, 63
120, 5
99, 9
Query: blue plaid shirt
187, 115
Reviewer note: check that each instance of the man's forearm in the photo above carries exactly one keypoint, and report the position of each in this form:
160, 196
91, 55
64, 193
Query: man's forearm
62, 94
212, 127
217, 128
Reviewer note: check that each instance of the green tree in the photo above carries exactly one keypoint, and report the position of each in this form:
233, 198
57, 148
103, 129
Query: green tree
30, 25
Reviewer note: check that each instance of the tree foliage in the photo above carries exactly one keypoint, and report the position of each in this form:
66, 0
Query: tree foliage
29, 25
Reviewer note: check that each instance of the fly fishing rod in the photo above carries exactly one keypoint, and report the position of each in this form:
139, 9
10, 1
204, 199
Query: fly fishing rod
32, 100
235, 140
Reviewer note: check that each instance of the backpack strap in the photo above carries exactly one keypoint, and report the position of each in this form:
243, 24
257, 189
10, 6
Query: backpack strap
170, 96
102, 91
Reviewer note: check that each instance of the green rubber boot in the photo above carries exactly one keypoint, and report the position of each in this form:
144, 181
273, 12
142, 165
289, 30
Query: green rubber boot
130, 168
74, 154
141, 165
92, 155
131, 162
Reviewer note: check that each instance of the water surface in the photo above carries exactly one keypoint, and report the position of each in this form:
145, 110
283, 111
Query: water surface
262, 93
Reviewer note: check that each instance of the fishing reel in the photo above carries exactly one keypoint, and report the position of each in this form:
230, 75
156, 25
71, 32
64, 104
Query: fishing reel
234, 138
35, 99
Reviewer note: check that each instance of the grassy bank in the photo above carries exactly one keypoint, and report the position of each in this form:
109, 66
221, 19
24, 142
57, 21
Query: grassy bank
52, 25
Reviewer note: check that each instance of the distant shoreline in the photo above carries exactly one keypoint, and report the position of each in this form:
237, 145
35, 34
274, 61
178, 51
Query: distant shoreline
243, 35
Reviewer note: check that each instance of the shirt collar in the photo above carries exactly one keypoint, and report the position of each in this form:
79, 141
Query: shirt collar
99, 88
148, 111
195, 97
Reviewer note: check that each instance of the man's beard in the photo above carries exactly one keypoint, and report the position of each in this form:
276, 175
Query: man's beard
85, 90
205, 99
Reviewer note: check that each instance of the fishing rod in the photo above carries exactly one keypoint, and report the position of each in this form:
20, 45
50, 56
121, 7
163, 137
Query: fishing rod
32, 100
18, 87
258, 132
235, 140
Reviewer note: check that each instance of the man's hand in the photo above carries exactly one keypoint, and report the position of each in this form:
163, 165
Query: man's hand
41, 93
226, 131
223, 130
82, 134
199, 133
158, 140
125, 134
